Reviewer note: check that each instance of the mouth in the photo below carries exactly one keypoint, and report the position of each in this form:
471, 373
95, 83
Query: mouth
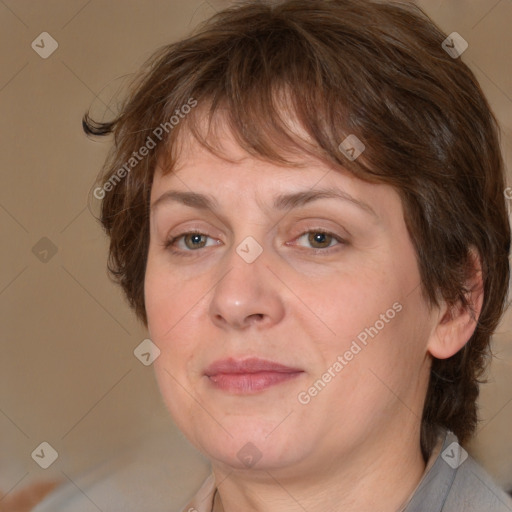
249, 376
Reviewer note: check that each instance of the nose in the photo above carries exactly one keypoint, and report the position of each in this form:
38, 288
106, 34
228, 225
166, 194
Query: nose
247, 294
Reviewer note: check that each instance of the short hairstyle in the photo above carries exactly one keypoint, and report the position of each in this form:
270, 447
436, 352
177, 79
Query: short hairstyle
373, 69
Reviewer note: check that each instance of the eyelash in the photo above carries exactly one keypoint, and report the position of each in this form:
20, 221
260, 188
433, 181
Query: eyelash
168, 245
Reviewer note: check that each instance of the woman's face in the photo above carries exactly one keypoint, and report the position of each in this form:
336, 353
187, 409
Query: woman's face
333, 326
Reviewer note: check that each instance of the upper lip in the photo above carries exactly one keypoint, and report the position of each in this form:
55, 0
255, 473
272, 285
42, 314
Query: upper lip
250, 365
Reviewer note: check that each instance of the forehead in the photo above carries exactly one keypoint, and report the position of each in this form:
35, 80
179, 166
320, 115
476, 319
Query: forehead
243, 182
190, 157
289, 140
231, 169
230, 174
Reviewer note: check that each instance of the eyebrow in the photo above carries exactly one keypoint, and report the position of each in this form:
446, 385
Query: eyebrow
281, 202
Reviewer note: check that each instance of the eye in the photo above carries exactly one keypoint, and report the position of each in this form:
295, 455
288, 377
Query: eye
320, 239
193, 240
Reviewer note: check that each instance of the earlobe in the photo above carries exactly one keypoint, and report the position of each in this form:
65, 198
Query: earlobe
457, 323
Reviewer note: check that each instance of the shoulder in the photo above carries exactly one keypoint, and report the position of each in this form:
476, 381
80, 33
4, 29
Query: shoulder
473, 490
455, 482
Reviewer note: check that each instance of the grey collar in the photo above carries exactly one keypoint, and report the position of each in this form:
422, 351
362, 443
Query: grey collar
436, 483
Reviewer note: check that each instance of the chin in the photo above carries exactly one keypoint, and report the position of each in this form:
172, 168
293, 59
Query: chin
252, 443
241, 454
258, 432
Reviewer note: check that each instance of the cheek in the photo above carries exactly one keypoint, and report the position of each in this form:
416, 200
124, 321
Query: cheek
169, 326
373, 320
349, 305
168, 302
154, 296
176, 323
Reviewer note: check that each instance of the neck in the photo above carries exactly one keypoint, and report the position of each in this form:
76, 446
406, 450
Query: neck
382, 475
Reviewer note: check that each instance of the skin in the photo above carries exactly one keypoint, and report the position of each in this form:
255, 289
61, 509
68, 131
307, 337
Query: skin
356, 444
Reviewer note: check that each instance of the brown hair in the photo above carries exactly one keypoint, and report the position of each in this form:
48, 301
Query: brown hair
376, 70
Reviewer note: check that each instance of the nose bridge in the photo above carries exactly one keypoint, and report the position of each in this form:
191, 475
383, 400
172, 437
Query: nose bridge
246, 292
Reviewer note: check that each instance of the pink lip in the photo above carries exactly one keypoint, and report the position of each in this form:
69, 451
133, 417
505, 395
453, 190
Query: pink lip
248, 376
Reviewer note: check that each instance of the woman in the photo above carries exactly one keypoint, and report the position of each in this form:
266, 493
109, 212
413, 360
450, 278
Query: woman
305, 207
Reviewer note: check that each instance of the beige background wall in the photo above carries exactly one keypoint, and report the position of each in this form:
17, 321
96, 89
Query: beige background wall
68, 375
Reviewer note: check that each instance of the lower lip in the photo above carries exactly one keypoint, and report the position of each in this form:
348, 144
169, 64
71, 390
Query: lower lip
245, 383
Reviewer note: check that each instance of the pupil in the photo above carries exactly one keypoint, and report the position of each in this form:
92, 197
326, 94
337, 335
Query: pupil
319, 238
195, 239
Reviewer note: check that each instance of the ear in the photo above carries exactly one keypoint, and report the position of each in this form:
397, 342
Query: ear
456, 324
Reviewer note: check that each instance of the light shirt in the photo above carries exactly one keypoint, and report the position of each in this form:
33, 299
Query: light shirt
452, 482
